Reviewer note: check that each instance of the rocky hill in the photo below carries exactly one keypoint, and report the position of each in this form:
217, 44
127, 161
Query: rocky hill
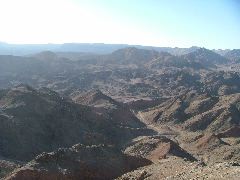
37, 121
133, 55
79, 162
205, 57
156, 148
197, 112
110, 108
168, 60
233, 55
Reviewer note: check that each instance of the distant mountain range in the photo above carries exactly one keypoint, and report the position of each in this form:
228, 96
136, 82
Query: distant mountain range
97, 48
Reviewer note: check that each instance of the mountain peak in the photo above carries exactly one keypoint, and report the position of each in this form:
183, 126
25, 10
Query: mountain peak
205, 56
45, 55
203, 50
94, 98
134, 55
233, 55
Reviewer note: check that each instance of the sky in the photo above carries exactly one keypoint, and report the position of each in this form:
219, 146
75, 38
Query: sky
212, 24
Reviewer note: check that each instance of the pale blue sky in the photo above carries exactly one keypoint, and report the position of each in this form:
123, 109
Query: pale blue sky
175, 23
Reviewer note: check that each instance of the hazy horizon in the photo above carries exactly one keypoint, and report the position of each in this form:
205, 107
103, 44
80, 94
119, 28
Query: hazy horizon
102, 43
210, 24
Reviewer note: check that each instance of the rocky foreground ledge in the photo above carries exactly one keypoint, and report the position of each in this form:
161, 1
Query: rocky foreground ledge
79, 162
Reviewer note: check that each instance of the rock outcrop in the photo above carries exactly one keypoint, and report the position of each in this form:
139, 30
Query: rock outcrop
79, 162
